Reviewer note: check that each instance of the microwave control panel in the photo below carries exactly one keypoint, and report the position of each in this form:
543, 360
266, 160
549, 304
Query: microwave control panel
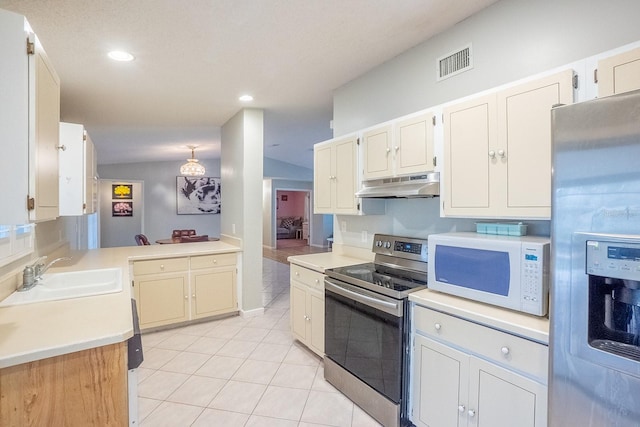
534, 278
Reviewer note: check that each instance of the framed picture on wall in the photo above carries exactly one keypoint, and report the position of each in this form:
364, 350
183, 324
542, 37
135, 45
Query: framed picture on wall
121, 191
121, 208
197, 195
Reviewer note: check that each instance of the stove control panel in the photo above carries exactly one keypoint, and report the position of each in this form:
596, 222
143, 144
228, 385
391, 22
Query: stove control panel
401, 247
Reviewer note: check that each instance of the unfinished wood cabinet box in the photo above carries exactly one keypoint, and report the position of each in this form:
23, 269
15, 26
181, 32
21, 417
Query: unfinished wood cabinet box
85, 388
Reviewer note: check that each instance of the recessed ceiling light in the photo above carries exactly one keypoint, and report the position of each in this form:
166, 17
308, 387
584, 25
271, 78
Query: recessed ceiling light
118, 55
246, 98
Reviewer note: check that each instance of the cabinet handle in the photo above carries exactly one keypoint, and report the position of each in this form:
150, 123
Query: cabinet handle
505, 350
501, 153
161, 266
193, 296
215, 261
296, 273
62, 147
317, 281
388, 150
437, 326
471, 412
492, 154
186, 297
397, 147
461, 409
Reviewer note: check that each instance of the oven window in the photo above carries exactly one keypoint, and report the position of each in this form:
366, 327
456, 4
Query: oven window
365, 341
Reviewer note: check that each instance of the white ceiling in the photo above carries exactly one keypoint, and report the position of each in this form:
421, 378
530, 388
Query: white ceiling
194, 58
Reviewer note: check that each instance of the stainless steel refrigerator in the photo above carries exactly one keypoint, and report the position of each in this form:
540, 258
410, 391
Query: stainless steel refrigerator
595, 284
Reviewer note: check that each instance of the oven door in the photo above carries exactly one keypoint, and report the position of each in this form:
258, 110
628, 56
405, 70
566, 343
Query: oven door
364, 333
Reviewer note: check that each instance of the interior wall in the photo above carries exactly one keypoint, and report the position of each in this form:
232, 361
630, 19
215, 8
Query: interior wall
242, 170
161, 216
293, 206
117, 231
510, 40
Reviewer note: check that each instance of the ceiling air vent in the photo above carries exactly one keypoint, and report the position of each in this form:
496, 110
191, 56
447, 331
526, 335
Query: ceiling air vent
454, 63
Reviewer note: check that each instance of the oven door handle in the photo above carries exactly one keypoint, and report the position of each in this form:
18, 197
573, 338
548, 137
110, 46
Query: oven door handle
386, 306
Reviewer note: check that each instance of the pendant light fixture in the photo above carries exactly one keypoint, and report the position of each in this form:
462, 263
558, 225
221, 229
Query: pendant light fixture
192, 167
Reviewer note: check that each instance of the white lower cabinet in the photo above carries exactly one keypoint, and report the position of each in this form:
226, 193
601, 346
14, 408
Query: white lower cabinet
175, 290
465, 374
307, 307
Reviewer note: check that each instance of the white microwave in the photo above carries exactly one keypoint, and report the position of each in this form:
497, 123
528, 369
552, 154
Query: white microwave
506, 271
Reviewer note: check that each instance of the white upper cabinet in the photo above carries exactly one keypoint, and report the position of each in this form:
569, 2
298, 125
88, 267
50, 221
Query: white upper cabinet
78, 181
14, 119
44, 120
30, 96
335, 179
619, 73
497, 150
403, 147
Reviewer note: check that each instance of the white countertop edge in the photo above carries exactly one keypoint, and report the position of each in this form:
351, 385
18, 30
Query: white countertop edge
45, 353
524, 325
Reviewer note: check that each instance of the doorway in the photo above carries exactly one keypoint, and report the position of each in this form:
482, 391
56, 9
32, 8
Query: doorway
292, 218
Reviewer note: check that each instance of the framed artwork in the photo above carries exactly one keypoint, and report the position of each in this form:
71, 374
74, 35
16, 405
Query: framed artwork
121, 208
122, 191
197, 195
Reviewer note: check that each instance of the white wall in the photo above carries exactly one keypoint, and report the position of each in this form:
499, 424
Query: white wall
242, 171
160, 214
511, 40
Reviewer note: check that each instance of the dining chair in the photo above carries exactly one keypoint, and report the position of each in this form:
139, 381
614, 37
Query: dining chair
142, 240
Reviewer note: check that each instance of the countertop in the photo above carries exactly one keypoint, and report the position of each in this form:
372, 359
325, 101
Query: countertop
525, 325
30, 332
323, 260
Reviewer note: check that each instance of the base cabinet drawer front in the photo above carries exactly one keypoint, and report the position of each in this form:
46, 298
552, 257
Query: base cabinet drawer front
209, 261
213, 292
162, 299
165, 265
502, 348
309, 277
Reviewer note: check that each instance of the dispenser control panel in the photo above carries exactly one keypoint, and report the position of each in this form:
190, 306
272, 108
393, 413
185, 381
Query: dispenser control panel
613, 259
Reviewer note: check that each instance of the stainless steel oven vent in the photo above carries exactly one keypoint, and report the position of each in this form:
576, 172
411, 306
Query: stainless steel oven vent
454, 63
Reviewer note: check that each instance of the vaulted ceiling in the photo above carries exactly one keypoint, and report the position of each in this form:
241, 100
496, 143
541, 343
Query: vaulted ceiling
194, 58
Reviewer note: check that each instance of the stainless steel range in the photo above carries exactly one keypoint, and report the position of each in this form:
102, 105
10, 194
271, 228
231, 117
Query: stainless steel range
367, 326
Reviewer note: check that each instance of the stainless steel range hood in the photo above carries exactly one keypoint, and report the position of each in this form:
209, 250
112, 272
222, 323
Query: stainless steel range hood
424, 185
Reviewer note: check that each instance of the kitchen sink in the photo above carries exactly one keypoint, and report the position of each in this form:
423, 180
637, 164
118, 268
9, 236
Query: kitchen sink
74, 284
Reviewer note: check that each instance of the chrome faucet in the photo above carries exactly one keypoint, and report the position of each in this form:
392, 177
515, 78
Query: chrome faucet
33, 273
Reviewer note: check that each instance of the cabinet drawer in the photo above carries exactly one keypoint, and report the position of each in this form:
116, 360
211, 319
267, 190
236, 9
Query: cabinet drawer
308, 277
155, 266
496, 346
217, 260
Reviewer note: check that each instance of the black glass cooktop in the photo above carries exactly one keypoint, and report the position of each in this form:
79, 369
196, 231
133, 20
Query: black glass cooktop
386, 280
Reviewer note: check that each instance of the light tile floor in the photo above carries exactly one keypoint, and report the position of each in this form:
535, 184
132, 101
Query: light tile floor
240, 372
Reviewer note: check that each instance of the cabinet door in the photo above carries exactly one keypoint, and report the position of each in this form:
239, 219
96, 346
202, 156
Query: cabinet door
377, 155
322, 178
345, 158
299, 311
213, 292
469, 156
440, 374
504, 398
162, 299
619, 73
524, 145
44, 127
90, 173
413, 145
14, 121
315, 313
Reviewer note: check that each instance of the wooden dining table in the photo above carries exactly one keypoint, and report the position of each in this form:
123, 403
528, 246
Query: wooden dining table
178, 240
